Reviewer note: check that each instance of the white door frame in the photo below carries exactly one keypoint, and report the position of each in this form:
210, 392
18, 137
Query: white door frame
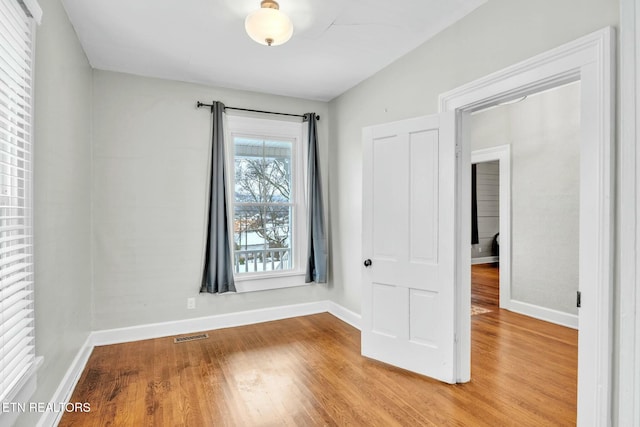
502, 154
589, 59
628, 280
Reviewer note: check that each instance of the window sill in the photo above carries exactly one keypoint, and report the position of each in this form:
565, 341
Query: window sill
261, 282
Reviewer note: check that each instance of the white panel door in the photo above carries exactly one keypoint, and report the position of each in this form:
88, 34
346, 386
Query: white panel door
408, 245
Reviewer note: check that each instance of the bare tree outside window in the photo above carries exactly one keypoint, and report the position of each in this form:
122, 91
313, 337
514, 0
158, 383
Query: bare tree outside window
263, 208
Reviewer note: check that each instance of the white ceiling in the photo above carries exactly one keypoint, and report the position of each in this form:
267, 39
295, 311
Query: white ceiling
336, 43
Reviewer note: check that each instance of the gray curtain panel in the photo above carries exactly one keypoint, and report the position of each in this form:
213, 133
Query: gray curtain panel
218, 265
317, 250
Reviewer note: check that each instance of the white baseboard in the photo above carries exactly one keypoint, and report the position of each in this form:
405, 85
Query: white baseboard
485, 260
345, 314
546, 314
187, 326
68, 384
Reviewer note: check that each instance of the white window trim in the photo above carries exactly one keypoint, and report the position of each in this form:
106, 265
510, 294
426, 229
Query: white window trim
288, 130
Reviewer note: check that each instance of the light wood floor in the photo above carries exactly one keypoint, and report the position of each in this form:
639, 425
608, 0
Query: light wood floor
308, 371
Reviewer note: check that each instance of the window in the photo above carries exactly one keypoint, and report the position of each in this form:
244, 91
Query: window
268, 197
17, 352
263, 212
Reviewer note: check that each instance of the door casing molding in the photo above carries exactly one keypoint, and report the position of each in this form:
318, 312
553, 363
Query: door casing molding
591, 60
627, 359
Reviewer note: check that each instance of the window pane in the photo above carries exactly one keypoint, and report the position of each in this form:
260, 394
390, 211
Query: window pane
277, 222
262, 238
262, 225
262, 170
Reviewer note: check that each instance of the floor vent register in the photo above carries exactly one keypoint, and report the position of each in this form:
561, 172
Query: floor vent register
190, 338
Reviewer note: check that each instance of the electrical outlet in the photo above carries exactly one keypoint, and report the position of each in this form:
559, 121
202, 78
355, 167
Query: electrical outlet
191, 303
479, 249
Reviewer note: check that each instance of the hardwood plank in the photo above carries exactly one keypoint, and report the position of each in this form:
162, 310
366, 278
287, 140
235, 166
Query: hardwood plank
308, 371
485, 286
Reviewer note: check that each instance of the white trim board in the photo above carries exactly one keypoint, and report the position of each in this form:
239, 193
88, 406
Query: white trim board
68, 384
628, 280
590, 59
346, 315
542, 313
229, 320
219, 321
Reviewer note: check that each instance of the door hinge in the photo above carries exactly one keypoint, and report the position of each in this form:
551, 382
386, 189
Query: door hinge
578, 299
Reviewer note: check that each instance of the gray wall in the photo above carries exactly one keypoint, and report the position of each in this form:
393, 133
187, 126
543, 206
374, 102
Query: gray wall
544, 134
497, 34
488, 197
150, 170
62, 192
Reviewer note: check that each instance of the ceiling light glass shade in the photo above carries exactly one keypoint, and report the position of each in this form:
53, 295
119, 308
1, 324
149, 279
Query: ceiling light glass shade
269, 26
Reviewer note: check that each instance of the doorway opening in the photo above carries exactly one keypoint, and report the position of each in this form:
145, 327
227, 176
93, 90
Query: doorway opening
590, 60
492, 253
526, 157
485, 236
534, 210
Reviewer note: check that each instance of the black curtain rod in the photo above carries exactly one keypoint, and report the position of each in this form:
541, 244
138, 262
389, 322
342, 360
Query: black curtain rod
202, 104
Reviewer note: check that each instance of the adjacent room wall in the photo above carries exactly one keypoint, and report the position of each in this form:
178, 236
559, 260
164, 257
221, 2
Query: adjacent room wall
62, 192
150, 151
494, 36
544, 133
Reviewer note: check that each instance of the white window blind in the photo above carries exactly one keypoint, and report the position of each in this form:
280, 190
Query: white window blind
17, 352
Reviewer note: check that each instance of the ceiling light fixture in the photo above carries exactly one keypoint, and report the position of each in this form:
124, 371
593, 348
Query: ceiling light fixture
268, 25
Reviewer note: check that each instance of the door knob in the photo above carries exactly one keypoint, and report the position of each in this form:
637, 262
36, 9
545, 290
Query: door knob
367, 262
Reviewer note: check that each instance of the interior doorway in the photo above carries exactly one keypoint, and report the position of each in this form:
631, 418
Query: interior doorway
526, 158
542, 160
494, 216
589, 59
485, 212
485, 236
